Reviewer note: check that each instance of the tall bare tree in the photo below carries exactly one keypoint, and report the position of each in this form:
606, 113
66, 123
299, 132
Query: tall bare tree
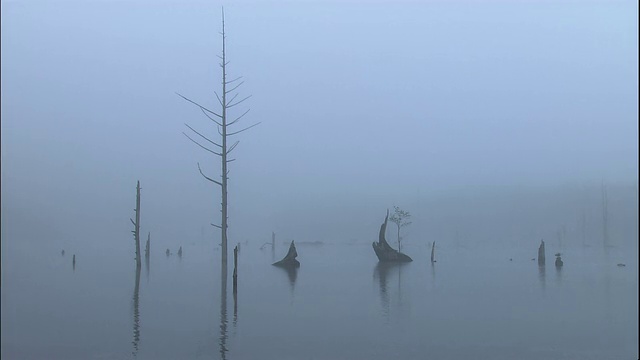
221, 149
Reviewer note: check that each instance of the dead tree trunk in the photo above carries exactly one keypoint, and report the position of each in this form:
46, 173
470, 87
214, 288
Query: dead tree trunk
147, 250
235, 269
222, 149
136, 225
433, 249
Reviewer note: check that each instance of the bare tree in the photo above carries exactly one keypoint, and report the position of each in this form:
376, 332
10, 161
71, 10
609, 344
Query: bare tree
221, 149
401, 219
136, 227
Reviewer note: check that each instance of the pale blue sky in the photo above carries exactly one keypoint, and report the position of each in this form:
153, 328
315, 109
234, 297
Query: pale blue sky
358, 99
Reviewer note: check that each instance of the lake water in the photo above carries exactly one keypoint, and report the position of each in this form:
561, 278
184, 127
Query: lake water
340, 304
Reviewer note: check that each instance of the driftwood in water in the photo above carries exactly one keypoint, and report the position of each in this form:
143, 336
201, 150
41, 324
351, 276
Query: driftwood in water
290, 259
541, 257
384, 251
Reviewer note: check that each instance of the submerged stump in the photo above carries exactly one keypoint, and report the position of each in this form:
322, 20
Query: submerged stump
290, 259
541, 256
384, 251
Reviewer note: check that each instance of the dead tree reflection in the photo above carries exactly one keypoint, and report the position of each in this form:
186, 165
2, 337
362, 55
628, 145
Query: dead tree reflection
382, 272
223, 315
136, 314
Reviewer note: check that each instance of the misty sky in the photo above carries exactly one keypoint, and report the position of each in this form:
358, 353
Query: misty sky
356, 99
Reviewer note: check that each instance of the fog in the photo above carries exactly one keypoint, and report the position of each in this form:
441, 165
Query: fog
495, 123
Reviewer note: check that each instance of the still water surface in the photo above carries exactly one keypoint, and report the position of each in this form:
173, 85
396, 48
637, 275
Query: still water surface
340, 304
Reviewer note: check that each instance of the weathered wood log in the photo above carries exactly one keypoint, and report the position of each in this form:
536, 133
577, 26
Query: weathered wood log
541, 256
290, 259
384, 251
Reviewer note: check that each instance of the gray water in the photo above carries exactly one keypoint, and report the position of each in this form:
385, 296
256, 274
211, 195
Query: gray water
473, 303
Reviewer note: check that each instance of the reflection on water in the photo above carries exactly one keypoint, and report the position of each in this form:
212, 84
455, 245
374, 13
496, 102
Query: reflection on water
292, 274
592, 313
146, 264
136, 313
558, 274
223, 314
382, 272
542, 276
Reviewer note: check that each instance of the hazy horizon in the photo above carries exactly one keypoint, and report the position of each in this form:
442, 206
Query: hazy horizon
362, 107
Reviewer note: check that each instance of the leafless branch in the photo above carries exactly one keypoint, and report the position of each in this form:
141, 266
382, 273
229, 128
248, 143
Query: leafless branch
233, 98
233, 147
220, 101
208, 178
218, 226
197, 143
202, 136
236, 79
238, 118
210, 118
247, 128
235, 87
133, 222
239, 102
200, 106
231, 160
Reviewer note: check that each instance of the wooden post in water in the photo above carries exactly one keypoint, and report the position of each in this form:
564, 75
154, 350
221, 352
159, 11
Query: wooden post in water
433, 249
74, 261
541, 254
136, 224
235, 269
147, 250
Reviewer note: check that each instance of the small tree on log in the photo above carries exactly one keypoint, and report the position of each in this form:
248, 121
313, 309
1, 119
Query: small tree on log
136, 226
401, 219
227, 100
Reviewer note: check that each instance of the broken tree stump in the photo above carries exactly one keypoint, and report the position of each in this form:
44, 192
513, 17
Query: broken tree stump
384, 251
290, 259
541, 256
